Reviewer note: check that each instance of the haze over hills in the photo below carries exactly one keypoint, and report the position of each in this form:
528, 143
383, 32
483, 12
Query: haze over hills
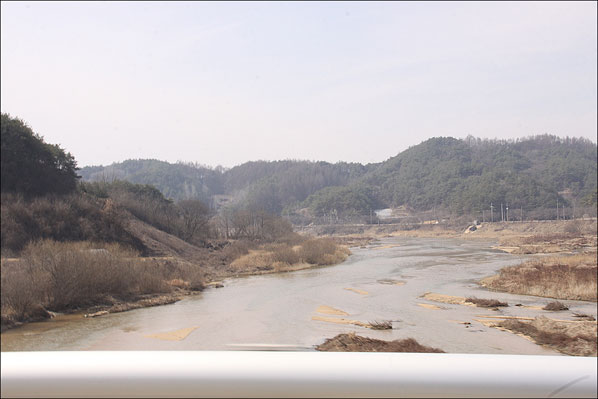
460, 176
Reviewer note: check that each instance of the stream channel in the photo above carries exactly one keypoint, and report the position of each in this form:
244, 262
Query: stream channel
297, 310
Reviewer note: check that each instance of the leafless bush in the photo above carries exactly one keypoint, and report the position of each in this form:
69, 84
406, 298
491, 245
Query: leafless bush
584, 316
74, 217
190, 276
572, 227
381, 325
320, 251
486, 303
255, 260
555, 306
61, 276
236, 249
18, 292
76, 274
291, 239
150, 278
285, 254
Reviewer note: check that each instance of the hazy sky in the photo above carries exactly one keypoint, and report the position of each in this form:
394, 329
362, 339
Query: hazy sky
224, 83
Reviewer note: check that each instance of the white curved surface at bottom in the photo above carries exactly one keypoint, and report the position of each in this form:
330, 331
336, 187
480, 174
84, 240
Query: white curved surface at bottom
293, 374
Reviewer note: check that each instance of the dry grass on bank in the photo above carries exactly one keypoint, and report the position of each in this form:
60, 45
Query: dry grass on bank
381, 325
355, 343
572, 338
555, 306
562, 277
66, 276
486, 303
557, 236
283, 256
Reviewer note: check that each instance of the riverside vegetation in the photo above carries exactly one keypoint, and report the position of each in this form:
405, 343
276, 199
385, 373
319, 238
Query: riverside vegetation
106, 244
105, 247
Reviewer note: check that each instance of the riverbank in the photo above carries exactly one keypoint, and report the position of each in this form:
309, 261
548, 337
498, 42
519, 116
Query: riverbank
570, 273
378, 283
526, 237
569, 277
117, 306
355, 343
77, 278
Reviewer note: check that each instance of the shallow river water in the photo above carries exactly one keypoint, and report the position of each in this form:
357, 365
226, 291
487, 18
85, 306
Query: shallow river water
281, 311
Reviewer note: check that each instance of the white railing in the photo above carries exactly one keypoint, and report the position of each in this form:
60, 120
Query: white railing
293, 374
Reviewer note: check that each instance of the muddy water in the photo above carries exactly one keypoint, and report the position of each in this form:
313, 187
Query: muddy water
295, 311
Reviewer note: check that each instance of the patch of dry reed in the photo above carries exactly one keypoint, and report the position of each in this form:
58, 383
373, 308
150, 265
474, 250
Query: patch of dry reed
577, 339
563, 277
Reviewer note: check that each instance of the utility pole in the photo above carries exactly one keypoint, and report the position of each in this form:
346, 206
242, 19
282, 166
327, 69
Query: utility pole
557, 209
502, 213
507, 212
483, 217
491, 213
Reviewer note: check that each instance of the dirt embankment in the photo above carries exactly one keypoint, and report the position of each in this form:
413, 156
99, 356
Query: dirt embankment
355, 343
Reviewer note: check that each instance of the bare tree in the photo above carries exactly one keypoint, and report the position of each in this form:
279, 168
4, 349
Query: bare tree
195, 217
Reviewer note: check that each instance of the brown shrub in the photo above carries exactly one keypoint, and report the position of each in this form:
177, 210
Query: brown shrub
486, 303
584, 316
236, 249
62, 276
18, 292
555, 306
354, 343
292, 239
285, 254
254, 260
572, 227
78, 274
381, 325
192, 276
322, 251
74, 217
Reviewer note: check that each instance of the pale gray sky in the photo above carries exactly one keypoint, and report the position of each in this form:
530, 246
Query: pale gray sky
225, 83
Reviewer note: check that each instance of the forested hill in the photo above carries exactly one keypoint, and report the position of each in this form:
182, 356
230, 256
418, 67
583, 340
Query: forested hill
441, 173
271, 185
177, 181
467, 175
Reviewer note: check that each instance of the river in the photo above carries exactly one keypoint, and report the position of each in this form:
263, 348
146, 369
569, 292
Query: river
383, 281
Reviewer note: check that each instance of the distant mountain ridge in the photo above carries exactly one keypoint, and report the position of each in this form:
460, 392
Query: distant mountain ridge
460, 175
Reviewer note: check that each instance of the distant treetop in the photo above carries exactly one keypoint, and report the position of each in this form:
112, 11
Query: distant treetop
29, 165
